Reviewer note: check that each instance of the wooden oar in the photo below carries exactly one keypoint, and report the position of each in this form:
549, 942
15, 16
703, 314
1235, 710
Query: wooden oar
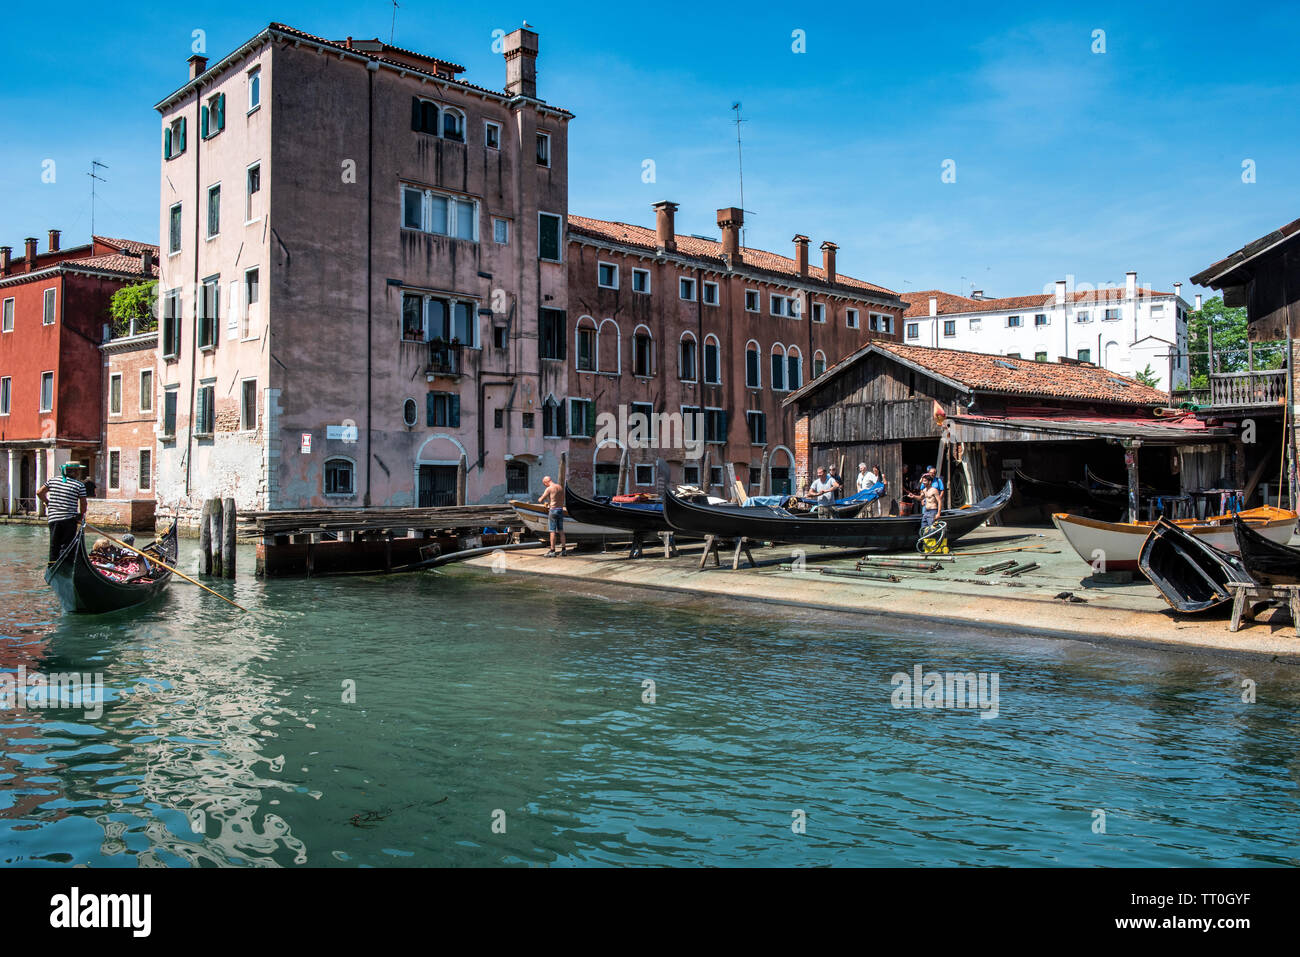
154, 561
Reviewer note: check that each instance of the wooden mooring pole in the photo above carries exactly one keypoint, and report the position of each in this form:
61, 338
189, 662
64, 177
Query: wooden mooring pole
205, 538
214, 537
228, 537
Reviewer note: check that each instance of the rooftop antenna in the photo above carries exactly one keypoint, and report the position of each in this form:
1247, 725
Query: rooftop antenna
740, 165
94, 165
393, 32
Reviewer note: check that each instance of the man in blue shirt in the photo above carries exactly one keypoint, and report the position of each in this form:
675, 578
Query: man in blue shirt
934, 479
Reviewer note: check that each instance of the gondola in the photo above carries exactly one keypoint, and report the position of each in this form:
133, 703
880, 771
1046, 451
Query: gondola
1190, 574
85, 588
645, 517
1269, 562
766, 524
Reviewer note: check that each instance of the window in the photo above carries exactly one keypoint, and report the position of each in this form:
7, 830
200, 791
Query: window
552, 419
411, 413
254, 89
914, 330
710, 293
686, 358
516, 478
778, 369
47, 392
146, 470
1040, 319
501, 232
880, 322
442, 409
715, 426
715, 475
1040, 356
641, 281
491, 135
205, 410
644, 475
851, 319
114, 469
253, 186
169, 412
552, 334
248, 405
212, 116
686, 289
209, 312
115, 394
1013, 355
7, 316
582, 418
752, 300
949, 328
975, 325
690, 475
498, 418
171, 324
174, 138
819, 363
412, 318
753, 372
543, 149
643, 348
146, 390
586, 349
642, 431
527, 419
1084, 355
757, 422
252, 294
453, 125
548, 236
607, 275
784, 306
174, 229
442, 214
214, 211
712, 367
338, 477
1013, 322
794, 370
424, 116
6, 394
1110, 315
47, 307
1082, 316
818, 312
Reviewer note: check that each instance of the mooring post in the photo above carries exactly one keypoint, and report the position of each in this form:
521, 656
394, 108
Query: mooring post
205, 538
214, 536
228, 537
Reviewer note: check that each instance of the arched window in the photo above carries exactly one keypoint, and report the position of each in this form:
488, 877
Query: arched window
794, 369
586, 346
778, 368
453, 125
753, 366
609, 348
819, 363
712, 361
643, 352
687, 358
424, 116
339, 476
552, 418
1110, 355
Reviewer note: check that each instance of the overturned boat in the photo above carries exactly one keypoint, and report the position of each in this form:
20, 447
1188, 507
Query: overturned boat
1269, 562
1190, 573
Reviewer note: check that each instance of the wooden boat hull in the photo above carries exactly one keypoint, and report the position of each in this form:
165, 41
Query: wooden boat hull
1269, 562
1119, 543
1191, 574
628, 518
889, 533
535, 520
84, 589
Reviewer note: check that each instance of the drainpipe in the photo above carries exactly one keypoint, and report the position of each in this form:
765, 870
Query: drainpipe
198, 243
372, 67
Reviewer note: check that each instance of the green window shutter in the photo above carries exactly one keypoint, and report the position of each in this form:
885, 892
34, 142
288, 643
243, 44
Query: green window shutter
204, 121
453, 417
181, 148
591, 420
167, 143
221, 112
429, 408
722, 425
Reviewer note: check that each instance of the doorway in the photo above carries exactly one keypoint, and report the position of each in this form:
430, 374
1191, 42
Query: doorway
437, 486
606, 480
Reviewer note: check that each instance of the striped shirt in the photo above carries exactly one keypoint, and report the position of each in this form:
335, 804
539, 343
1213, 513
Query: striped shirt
63, 499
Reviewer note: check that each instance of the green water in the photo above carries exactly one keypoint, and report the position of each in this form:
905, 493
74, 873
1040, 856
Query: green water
486, 700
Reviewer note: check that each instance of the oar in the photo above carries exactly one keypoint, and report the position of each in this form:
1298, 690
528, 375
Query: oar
154, 561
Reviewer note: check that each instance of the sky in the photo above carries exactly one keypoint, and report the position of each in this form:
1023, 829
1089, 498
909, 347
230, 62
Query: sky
1068, 152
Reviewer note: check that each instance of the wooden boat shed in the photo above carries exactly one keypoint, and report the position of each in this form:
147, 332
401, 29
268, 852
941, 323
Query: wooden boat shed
980, 418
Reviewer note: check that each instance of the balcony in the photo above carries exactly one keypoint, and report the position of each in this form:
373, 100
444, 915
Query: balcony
1239, 390
445, 359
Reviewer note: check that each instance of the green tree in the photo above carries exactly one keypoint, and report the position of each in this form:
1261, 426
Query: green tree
1231, 353
138, 303
1148, 377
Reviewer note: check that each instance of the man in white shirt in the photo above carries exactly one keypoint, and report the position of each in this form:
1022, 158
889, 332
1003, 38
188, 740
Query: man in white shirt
866, 477
823, 488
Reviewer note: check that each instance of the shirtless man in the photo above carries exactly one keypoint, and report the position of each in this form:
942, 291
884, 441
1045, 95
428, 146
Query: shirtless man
553, 499
931, 500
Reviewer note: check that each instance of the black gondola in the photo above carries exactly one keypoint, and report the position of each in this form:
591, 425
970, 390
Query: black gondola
647, 517
1267, 561
85, 589
1190, 574
763, 524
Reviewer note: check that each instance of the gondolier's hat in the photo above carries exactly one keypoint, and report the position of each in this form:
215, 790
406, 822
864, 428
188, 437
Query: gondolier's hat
70, 466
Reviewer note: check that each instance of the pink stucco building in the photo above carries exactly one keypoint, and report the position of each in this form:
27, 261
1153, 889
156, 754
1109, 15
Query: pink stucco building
360, 253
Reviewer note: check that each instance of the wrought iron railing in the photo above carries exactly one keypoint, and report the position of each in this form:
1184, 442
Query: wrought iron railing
445, 358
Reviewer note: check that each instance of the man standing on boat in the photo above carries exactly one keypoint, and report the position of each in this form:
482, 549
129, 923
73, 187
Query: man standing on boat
931, 499
823, 489
553, 499
64, 498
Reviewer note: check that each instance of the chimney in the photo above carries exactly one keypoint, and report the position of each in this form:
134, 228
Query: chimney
54, 240
665, 231
828, 259
198, 66
30, 242
1178, 291
801, 254
6, 259
146, 262
1060, 292
729, 221
1130, 284
520, 51
1198, 302
934, 306
977, 293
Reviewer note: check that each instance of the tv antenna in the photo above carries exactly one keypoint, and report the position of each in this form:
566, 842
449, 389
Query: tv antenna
740, 165
94, 165
393, 32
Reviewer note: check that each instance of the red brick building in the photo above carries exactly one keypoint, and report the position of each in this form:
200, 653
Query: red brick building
53, 315
680, 324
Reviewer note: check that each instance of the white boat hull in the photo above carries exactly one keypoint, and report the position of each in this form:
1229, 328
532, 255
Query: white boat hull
1114, 546
535, 520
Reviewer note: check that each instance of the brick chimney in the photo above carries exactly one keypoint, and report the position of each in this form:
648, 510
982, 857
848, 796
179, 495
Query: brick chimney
198, 66
54, 240
801, 254
30, 243
520, 51
6, 259
828, 259
146, 262
665, 231
729, 221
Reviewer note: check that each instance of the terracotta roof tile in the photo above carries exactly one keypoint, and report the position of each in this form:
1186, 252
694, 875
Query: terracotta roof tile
710, 250
950, 304
116, 262
128, 245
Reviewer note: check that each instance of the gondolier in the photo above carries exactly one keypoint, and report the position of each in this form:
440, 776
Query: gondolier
64, 498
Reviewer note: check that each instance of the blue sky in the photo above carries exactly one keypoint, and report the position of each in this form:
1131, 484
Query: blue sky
1066, 160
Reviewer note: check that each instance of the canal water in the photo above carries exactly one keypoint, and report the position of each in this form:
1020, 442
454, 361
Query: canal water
470, 718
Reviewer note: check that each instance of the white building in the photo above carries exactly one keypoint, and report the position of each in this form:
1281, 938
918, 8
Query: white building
1125, 330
